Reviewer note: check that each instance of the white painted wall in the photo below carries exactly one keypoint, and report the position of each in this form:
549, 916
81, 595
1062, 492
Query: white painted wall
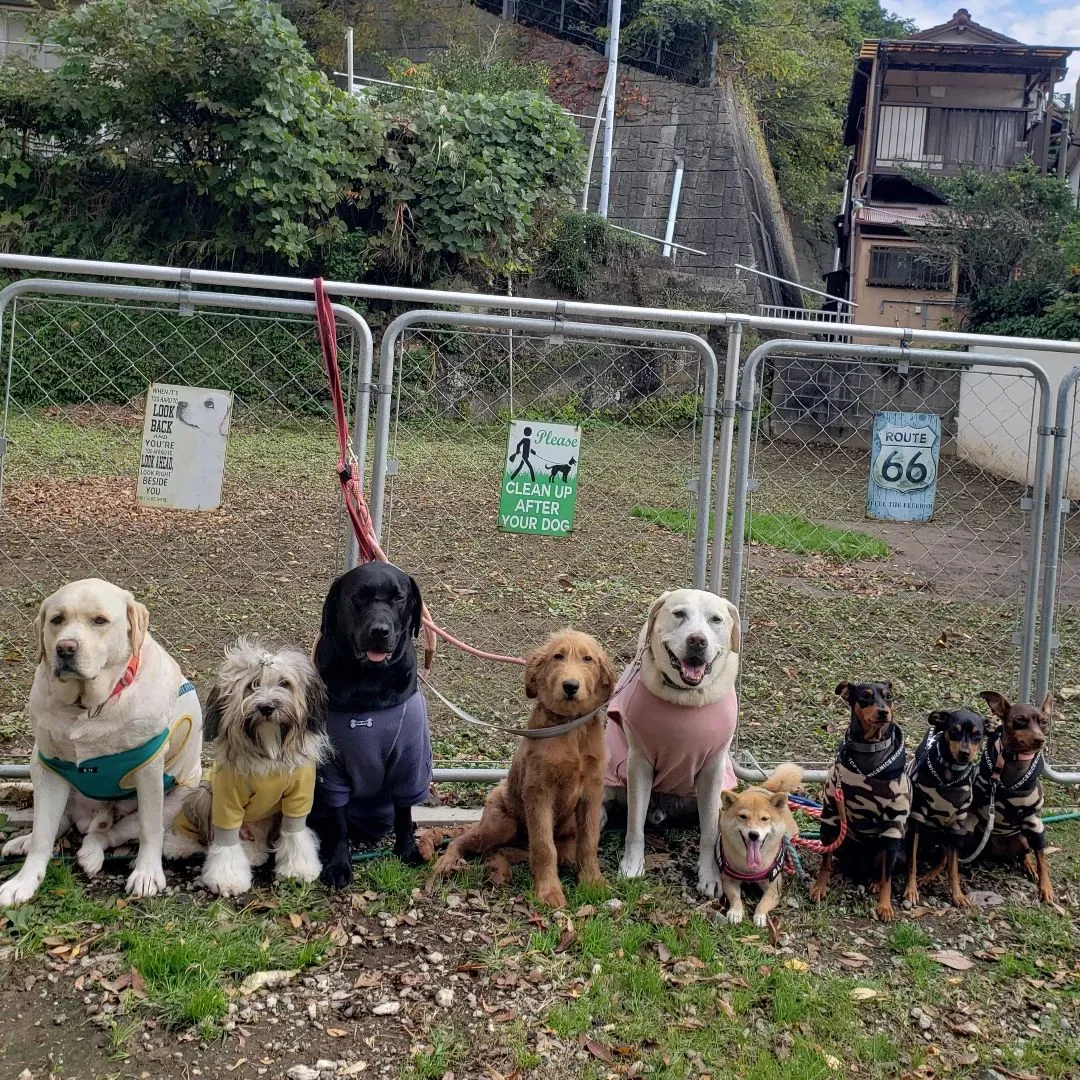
997, 417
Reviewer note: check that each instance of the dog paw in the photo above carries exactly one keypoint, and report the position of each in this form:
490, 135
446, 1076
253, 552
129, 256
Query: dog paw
16, 846
410, 855
552, 895
883, 911
818, 891
632, 864
709, 882
960, 900
911, 897
91, 856
18, 890
1046, 894
761, 921
735, 915
145, 880
337, 875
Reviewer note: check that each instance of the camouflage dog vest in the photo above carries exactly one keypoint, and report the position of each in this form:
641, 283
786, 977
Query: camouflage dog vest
1017, 804
876, 787
941, 791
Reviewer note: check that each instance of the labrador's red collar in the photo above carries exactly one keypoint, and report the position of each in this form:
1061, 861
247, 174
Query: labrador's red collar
122, 684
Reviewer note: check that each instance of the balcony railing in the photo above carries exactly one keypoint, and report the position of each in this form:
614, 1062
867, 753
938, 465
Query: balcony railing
778, 311
947, 140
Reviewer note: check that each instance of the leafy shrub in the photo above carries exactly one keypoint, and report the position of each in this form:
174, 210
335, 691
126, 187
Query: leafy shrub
579, 245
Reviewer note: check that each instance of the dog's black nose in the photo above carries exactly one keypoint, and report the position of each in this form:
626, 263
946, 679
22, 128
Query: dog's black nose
66, 648
753, 834
380, 631
570, 687
883, 715
696, 641
266, 710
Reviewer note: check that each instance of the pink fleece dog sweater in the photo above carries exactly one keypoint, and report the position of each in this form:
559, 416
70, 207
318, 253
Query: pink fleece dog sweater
678, 740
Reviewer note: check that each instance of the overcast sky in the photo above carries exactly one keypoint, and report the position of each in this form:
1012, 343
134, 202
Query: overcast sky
1033, 22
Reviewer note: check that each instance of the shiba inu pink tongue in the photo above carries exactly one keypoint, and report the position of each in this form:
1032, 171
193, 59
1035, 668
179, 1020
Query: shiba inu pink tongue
375, 656
753, 852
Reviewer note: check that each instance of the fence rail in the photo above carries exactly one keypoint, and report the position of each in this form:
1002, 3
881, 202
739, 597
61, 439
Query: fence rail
443, 373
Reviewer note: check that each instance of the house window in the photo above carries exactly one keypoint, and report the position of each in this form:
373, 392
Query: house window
908, 268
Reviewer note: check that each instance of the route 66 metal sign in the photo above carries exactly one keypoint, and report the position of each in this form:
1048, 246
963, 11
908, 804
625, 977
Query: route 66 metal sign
904, 451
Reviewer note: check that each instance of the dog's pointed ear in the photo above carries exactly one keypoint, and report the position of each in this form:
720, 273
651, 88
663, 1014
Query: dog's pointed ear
533, 666
1047, 706
728, 799
416, 602
212, 710
779, 800
844, 691
938, 720
999, 705
736, 627
138, 619
39, 632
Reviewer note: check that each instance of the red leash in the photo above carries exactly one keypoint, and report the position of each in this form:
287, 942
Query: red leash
355, 504
817, 845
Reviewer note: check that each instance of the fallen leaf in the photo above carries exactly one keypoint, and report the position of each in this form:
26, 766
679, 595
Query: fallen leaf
726, 1008
950, 959
919, 912
505, 1017
138, 984
853, 959
296, 920
657, 860
236, 1065
336, 1033
598, 1050
796, 965
566, 940
492, 1073
266, 980
353, 1069
863, 993
584, 910
367, 978
663, 952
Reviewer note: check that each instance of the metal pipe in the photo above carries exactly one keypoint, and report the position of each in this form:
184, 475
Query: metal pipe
673, 209
468, 776
878, 352
646, 236
351, 82
601, 106
614, 19
536, 305
788, 281
538, 327
723, 470
1058, 477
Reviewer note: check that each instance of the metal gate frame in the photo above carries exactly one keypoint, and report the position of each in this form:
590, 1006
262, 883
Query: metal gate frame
747, 432
186, 300
556, 327
1055, 538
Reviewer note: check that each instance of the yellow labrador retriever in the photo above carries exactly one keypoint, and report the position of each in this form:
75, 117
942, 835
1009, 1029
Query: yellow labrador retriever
673, 717
117, 736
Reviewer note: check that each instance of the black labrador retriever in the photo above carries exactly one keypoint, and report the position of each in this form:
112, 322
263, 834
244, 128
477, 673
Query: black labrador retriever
377, 720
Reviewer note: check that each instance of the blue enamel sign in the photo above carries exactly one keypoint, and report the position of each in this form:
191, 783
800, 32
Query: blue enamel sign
904, 450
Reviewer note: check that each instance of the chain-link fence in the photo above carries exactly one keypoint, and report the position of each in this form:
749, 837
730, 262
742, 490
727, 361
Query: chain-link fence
886, 501
77, 372
644, 403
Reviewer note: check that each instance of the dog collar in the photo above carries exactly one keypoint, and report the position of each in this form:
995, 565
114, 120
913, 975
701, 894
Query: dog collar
770, 873
852, 746
122, 684
931, 750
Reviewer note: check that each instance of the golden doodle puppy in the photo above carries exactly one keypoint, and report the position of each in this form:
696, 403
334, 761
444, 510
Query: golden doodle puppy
551, 801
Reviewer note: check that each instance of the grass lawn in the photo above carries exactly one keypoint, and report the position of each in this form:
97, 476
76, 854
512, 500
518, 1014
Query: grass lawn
639, 979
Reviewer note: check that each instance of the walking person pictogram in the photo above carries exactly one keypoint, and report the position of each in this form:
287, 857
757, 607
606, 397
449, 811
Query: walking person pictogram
524, 448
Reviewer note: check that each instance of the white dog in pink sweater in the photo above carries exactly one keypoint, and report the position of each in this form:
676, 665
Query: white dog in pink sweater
672, 718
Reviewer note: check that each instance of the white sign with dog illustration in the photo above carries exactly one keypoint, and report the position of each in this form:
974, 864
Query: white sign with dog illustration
539, 482
185, 432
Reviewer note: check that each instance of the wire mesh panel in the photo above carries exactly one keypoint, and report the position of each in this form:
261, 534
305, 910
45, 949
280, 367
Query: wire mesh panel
639, 408
888, 538
79, 374
1064, 750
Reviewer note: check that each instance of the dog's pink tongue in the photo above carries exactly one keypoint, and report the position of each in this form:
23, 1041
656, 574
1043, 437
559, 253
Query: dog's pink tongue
692, 673
376, 657
753, 853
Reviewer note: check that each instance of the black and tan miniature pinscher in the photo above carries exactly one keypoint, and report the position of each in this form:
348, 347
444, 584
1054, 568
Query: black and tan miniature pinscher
1008, 798
870, 771
942, 789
